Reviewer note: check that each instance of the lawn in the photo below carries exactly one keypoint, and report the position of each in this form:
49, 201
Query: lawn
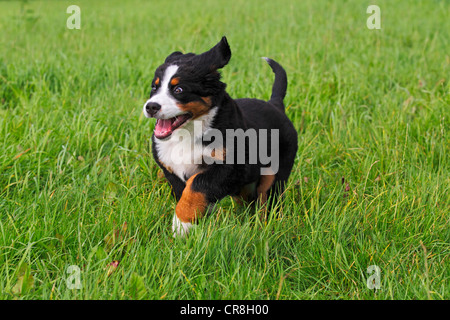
82, 198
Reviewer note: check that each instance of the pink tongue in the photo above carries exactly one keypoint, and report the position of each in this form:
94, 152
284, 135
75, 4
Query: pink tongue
163, 127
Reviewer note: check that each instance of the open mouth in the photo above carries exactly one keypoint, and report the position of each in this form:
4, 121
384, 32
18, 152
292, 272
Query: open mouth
165, 127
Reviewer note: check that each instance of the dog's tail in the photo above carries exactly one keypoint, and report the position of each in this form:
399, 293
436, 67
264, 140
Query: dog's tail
279, 85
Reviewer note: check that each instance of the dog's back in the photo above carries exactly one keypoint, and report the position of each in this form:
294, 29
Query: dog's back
270, 115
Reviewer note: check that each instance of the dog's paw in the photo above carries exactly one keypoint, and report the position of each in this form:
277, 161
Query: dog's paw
180, 229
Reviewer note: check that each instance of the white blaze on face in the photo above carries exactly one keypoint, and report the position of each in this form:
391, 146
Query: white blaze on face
169, 108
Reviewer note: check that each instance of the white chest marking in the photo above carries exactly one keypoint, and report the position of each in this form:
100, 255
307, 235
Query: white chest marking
182, 152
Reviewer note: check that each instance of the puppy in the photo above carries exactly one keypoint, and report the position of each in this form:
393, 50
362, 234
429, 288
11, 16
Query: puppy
209, 145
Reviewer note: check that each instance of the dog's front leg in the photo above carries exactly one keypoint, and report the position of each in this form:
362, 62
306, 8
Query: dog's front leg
191, 206
201, 192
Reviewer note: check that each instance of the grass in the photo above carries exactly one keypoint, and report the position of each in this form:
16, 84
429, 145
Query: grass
370, 186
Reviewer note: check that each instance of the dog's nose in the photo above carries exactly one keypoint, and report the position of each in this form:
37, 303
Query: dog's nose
152, 108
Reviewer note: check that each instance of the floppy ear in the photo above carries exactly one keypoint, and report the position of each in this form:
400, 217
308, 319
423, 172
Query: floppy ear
173, 56
218, 56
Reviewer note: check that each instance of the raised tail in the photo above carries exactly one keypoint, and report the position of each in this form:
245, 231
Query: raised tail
279, 85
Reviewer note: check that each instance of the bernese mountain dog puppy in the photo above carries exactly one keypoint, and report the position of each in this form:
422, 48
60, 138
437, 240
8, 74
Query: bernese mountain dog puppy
209, 145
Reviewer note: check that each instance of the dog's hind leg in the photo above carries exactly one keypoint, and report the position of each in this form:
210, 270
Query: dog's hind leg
262, 191
265, 182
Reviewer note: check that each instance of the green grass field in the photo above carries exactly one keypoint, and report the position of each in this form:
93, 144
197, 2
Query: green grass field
370, 185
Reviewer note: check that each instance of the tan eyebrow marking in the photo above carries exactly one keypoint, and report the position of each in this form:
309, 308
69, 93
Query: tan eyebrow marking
157, 81
175, 81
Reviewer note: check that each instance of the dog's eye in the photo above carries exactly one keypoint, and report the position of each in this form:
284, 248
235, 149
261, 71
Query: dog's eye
177, 90
153, 88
